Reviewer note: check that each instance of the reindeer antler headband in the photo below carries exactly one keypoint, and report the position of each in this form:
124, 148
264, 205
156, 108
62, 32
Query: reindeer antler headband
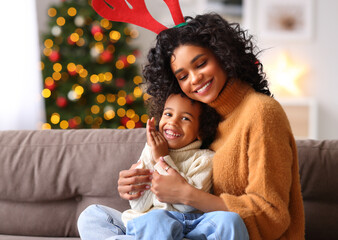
136, 12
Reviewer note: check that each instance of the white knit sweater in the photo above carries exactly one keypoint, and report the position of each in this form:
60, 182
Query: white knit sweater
193, 163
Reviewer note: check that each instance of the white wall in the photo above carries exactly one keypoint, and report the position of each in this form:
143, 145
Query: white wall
318, 54
21, 105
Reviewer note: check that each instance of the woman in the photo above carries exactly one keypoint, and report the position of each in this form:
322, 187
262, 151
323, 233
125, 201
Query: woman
255, 167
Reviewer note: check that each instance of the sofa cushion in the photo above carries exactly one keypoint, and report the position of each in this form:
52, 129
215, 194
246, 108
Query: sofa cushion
318, 162
48, 177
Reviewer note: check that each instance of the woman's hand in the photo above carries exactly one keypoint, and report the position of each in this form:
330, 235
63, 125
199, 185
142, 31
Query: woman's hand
169, 188
157, 142
133, 182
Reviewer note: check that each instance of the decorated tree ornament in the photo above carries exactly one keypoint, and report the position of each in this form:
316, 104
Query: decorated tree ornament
61, 102
56, 31
72, 123
129, 99
54, 56
79, 21
94, 52
136, 12
123, 58
96, 29
96, 87
106, 56
124, 120
70, 41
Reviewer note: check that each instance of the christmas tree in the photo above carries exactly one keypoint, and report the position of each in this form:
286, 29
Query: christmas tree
91, 78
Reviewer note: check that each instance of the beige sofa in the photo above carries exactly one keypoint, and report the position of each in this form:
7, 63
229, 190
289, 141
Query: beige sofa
48, 177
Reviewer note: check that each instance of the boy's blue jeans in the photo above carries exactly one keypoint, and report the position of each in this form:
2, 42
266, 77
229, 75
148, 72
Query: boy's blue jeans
99, 222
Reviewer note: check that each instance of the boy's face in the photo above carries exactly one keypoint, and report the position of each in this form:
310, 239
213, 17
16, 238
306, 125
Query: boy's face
179, 123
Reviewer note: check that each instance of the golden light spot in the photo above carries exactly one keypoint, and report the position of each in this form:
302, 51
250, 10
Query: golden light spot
94, 78
131, 59
56, 76
99, 47
130, 124
130, 113
110, 114
121, 101
42, 66
47, 52
83, 73
46, 93
95, 109
78, 120
49, 81
111, 98
119, 64
64, 124
52, 12
102, 77
136, 118
71, 67
72, 12
74, 37
134, 33
121, 112
89, 119
98, 36
137, 92
122, 93
126, 31
57, 67
79, 90
115, 35
79, 67
108, 76
60, 21
81, 42
79, 31
101, 98
121, 127
55, 118
46, 126
48, 43
104, 23
144, 118
137, 80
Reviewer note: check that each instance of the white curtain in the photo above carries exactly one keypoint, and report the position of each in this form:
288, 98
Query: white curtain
21, 104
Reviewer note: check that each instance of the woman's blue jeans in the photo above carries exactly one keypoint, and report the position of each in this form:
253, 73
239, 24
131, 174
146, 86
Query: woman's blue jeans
102, 223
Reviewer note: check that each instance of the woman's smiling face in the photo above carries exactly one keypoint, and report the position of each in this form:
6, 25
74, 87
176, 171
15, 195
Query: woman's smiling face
198, 72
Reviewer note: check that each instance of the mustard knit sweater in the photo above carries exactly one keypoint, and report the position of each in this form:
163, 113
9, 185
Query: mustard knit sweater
255, 167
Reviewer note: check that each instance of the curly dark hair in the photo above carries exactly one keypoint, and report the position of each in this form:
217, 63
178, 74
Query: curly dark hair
208, 119
232, 46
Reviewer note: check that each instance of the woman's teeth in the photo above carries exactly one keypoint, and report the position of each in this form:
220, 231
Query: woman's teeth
203, 88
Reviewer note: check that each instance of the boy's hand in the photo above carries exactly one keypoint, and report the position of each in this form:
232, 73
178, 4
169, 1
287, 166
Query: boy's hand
157, 142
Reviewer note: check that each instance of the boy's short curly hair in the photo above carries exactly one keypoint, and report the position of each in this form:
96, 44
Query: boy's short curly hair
208, 119
231, 45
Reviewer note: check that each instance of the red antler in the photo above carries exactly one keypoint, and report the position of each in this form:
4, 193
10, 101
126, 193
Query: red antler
121, 11
175, 11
